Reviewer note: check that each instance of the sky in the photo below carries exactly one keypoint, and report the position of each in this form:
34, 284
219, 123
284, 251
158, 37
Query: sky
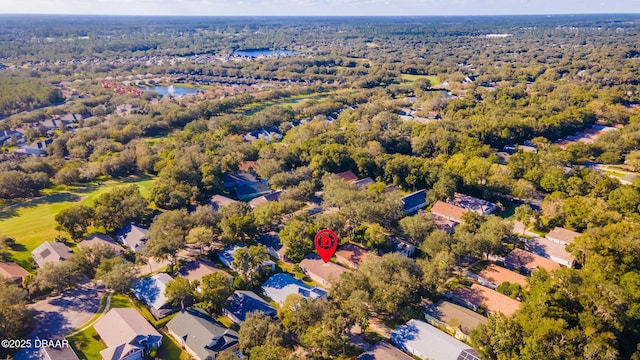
317, 7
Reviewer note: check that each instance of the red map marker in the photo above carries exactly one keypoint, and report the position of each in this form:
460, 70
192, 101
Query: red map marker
326, 242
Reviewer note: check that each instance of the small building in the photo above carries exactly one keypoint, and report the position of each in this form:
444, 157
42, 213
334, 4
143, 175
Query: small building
200, 336
455, 318
197, 269
271, 197
151, 290
226, 257
352, 256
347, 176
51, 252
562, 236
478, 206
250, 191
448, 211
414, 201
243, 302
217, 202
493, 275
12, 271
427, 342
382, 350
482, 297
525, 261
274, 246
133, 236
127, 335
100, 240
281, 285
319, 271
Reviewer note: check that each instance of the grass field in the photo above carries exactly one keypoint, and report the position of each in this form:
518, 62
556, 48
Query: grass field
120, 301
87, 344
33, 222
435, 81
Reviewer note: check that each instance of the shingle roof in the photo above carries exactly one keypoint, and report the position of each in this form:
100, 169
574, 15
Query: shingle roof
201, 334
474, 204
347, 176
519, 258
151, 290
562, 235
271, 197
134, 236
251, 190
218, 201
350, 253
416, 199
363, 183
448, 211
482, 296
12, 271
498, 275
197, 269
243, 302
456, 315
100, 239
121, 329
281, 285
427, 342
384, 351
550, 249
324, 271
51, 252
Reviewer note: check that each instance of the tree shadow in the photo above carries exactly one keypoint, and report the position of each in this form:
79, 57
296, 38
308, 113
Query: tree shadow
12, 210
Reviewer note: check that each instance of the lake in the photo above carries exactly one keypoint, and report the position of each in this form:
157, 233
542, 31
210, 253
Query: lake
176, 90
264, 52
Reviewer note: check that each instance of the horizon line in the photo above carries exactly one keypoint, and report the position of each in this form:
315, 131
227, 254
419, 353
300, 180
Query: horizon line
316, 16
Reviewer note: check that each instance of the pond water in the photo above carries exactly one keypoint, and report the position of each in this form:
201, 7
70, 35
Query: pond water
264, 52
175, 90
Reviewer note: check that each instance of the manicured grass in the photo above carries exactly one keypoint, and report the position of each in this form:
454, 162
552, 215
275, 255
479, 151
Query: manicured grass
120, 301
87, 344
226, 322
169, 350
33, 222
435, 81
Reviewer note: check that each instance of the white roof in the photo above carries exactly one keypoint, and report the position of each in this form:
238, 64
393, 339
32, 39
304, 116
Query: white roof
151, 290
427, 342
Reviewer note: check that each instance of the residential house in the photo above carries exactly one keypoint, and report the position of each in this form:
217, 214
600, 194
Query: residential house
248, 166
227, 256
347, 176
363, 183
57, 352
13, 272
9, 134
552, 250
281, 285
100, 240
200, 336
402, 247
238, 179
562, 236
150, 290
271, 197
319, 271
55, 124
478, 206
442, 223
133, 236
38, 148
525, 261
455, 318
482, 297
250, 191
219, 201
414, 201
197, 269
126, 334
51, 252
384, 351
493, 275
448, 211
274, 246
427, 342
243, 302
352, 256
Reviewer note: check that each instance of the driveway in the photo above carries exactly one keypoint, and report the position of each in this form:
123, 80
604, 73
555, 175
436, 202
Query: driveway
58, 315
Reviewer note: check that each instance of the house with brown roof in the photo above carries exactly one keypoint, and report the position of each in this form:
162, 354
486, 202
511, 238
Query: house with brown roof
13, 272
553, 250
100, 240
127, 335
51, 252
493, 275
457, 319
271, 197
352, 256
321, 272
561, 235
448, 211
478, 206
479, 296
384, 351
347, 176
218, 201
197, 269
525, 261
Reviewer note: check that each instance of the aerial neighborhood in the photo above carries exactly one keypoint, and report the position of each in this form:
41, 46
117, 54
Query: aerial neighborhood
319, 188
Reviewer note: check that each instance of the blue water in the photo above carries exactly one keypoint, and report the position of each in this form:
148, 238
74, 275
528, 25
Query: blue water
177, 90
265, 52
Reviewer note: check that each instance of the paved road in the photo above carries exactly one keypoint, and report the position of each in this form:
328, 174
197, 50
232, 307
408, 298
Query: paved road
58, 315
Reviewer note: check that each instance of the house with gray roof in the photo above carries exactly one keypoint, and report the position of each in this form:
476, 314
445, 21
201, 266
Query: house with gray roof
226, 257
384, 351
133, 236
51, 252
94, 240
150, 290
478, 206
274, 246
127, 335
414, 201
250, 191
427, 342
281, 285
200, 336
243, 302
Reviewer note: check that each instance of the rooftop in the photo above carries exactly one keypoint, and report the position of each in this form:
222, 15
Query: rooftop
197, 269
455, 316
414, 200
151, 290
281, 285
498, 275
427, 342
384, 351
325, 271
218, 201
448, 211
51, 252
100, 239
549, 249
12, 271
251, 190
562, 235
350, 254
133, 236
524, 259
479, 206
482, 296
243, 302
201, 334
363, 183
121, 328
347, 176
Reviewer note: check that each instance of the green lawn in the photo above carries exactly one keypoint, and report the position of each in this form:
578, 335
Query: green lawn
435, 81
87, 344
120, 301
33, 222
169, 350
